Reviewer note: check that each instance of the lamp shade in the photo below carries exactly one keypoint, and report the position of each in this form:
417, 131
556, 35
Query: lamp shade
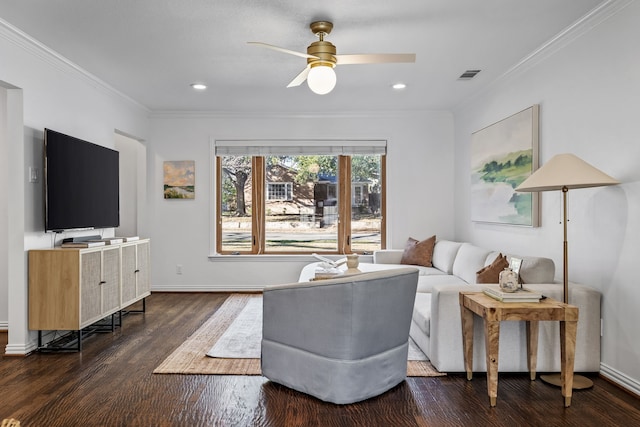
321, 79
565, 171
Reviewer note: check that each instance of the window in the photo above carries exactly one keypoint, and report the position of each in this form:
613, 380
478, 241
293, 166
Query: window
235, 202
289, 199
357, 194
279, 191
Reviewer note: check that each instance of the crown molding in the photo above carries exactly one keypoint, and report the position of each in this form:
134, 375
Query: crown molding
196, 114
42, 52
582, 26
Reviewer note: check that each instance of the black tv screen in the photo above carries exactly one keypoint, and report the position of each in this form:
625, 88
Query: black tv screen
81, 184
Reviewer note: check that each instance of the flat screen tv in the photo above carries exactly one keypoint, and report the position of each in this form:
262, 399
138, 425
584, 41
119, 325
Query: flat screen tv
81, 184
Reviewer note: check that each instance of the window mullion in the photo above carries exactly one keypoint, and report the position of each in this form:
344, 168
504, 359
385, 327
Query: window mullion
383, 204
258, 195
344, 203
219, 205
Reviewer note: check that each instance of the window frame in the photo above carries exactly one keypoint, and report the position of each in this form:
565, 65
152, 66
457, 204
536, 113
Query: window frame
259, 198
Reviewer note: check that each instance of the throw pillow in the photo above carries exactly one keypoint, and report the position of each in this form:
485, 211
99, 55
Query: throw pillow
491, 273
418, 253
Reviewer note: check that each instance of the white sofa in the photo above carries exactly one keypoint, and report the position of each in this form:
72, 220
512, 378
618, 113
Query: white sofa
436, 325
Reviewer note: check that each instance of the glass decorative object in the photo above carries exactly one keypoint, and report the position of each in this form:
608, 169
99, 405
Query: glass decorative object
508, 280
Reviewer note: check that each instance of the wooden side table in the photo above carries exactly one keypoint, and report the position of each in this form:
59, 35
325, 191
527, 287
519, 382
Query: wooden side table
494, 311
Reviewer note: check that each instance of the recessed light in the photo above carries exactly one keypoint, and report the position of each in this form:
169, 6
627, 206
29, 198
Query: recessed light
399, 86
198, 86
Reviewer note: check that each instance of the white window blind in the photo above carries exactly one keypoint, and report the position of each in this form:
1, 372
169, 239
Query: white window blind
299, 147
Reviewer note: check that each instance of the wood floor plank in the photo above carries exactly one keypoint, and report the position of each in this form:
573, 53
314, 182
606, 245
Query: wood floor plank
111, 384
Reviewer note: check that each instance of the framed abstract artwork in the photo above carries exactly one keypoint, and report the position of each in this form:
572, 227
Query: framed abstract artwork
503, 155
179, 179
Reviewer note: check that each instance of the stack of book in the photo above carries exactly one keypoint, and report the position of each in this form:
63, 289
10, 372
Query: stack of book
521, 295
326, 273
109, 240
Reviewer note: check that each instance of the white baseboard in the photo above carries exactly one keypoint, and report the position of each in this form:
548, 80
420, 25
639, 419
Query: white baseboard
19, 349
4, 325
619, 378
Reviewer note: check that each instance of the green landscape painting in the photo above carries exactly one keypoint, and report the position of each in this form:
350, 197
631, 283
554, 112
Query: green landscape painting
503, 155
179, 179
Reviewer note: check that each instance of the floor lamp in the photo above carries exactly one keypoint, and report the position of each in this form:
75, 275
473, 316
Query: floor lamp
564, 172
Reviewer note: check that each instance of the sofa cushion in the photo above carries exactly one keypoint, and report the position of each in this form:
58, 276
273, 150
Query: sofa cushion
537, 270
470, 258
422, 312
491, 273
418, 253
422, 271
444, 254
426, 283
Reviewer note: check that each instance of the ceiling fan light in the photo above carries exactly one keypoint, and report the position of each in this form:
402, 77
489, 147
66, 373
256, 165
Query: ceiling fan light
321, 79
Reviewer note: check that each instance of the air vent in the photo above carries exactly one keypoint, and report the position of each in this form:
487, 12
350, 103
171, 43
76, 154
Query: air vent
468, 75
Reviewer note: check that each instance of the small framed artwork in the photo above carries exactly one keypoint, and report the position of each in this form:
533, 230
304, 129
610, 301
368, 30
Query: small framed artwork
179, 179
515, 264
503, 155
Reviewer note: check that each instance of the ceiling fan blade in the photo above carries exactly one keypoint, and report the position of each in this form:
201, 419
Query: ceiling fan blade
373, 58
283, 50
300, 78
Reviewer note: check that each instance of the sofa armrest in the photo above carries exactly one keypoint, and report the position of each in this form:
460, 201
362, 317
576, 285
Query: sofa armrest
445, 348
446, 353
387, 256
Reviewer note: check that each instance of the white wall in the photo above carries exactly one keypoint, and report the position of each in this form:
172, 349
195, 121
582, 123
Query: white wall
419, 177
57, 95
588, 93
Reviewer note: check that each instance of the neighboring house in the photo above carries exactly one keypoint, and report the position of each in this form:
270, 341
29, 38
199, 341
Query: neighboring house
284, 195
365, 198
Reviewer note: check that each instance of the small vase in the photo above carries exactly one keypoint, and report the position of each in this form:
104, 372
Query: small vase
508, 280
352, 263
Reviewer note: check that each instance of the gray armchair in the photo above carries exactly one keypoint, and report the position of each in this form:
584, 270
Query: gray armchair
341, 340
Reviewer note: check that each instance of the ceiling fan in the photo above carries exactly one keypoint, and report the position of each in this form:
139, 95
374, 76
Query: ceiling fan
321, 59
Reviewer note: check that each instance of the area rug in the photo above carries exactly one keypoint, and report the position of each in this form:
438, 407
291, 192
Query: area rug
191, 356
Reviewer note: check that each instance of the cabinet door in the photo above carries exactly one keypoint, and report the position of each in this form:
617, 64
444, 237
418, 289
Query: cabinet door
90, 287
144, 267
54, 290
129, 262
110, 280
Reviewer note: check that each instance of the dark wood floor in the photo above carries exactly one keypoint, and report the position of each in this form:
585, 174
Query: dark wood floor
111, 384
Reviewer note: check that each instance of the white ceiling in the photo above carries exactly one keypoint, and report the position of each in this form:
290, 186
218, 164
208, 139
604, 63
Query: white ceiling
151, 50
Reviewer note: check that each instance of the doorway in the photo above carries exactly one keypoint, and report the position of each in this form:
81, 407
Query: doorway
132, 182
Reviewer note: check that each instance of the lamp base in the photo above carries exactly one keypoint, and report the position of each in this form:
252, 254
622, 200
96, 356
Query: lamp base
579, 382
